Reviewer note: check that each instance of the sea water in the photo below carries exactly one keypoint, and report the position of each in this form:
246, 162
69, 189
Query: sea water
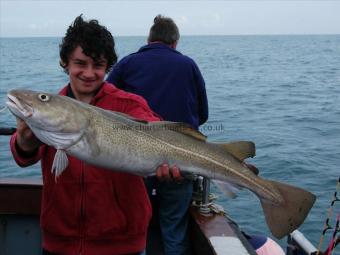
281, 92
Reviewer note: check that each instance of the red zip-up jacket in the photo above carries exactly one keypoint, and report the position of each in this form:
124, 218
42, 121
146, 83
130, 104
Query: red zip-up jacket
89, 210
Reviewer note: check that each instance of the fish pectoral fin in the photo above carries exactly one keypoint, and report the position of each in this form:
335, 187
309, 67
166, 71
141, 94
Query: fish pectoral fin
179, 127
285, 217
240, 149
60, 162
227, 188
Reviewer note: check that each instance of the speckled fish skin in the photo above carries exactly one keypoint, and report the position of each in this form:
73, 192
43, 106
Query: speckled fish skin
117, 142
111, 140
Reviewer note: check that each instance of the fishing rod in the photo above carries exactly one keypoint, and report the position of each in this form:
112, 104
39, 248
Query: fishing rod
7, 131
335, 239
327, 226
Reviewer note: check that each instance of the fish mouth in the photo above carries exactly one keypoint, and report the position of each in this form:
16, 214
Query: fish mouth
22, 110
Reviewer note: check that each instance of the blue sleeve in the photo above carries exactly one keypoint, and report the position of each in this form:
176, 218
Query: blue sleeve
203, 110
116, 76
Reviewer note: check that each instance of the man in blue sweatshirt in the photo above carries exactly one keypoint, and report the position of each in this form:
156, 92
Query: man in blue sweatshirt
174, 88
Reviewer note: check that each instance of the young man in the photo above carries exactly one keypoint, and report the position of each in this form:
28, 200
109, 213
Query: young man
174, 88
89, 210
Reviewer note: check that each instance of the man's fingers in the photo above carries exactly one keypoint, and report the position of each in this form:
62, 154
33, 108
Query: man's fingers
22, 126
163, 172
26, 140
176, 174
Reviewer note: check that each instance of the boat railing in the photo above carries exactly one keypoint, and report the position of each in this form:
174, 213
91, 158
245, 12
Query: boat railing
298, 244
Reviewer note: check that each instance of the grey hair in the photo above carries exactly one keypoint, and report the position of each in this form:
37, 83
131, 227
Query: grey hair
163, 29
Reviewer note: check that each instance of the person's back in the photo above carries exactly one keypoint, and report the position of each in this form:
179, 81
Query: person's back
170, 82
174, 88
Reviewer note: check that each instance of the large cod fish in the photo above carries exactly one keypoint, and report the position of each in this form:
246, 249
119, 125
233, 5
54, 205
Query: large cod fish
116, 141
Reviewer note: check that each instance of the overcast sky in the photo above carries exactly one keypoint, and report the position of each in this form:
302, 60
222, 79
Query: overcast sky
51, 18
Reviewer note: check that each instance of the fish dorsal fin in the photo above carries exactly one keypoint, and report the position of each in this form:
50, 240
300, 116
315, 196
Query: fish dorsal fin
180, 127
240, 149
131, 118
112, 114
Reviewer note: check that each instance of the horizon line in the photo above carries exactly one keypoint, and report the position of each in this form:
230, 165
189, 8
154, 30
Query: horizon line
186, 35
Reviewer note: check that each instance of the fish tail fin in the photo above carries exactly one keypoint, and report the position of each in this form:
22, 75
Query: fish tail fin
283, 218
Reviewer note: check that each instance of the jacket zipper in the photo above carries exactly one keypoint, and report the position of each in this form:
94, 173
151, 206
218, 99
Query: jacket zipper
82, 211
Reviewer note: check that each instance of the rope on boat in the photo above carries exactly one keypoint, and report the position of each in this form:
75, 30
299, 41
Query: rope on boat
327, 226
209, 206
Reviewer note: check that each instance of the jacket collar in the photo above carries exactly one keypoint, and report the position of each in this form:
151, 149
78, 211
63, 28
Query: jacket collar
157, 45
106, 88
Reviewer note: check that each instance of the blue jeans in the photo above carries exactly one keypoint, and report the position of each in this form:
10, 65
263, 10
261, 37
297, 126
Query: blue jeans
173, 200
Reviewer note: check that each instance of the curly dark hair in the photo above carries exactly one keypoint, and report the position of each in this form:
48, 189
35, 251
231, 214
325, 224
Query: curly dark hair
95, 40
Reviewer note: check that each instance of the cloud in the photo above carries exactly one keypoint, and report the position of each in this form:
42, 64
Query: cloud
216, 17
33, 26
42, 28
182, 20
51, 18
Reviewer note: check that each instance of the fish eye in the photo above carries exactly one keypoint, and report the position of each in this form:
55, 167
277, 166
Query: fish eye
43, 97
